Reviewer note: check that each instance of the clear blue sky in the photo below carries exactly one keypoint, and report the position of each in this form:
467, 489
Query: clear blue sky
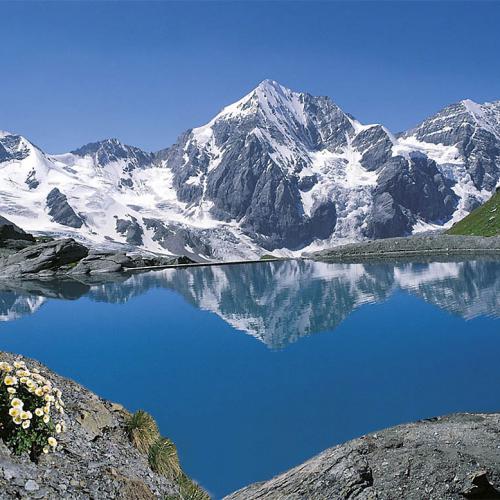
74, 72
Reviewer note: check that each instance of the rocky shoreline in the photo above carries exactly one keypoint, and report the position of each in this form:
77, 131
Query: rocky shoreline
23, 256
96, 459
440, 245
446, 458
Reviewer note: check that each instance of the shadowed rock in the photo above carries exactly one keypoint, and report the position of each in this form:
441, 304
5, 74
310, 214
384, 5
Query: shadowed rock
13, 237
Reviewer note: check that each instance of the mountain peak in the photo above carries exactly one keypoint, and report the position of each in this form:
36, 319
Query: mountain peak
111, 150
272, 85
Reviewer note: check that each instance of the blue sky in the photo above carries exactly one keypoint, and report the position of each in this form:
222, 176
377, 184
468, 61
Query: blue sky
74, 72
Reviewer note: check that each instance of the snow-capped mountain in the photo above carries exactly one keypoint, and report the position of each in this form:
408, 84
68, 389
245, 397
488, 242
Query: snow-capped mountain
277, 171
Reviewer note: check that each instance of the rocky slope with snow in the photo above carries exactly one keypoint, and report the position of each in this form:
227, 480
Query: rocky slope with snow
278, 170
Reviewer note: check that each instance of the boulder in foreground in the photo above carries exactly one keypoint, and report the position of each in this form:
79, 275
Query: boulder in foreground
454, 457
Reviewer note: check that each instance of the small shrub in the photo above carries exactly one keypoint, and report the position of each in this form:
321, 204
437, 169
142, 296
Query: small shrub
142, 431
163, 458
28, 402
189, 490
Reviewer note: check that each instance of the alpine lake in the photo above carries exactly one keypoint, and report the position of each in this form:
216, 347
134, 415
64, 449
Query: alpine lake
251, 369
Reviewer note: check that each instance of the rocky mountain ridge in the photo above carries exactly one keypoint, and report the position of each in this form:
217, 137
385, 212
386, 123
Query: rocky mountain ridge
278, 170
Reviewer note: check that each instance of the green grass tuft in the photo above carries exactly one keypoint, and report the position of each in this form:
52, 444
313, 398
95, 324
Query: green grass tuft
189, 490
163, 458
142, 431
483, 221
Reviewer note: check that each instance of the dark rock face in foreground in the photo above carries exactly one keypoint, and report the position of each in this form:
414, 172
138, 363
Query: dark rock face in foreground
96, 460
413, 246
455, 457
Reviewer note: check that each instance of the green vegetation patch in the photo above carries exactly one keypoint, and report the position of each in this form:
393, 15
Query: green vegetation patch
162, 455
142, 431
163, 458
268, 256
484, 221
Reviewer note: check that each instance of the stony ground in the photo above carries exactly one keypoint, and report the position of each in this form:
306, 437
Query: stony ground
411, 247
454, 457
96, 461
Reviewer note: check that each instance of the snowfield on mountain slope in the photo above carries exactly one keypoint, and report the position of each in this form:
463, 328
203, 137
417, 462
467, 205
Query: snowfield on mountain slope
277, 171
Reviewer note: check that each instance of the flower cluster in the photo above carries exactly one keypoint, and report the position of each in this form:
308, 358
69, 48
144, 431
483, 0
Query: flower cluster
31, 410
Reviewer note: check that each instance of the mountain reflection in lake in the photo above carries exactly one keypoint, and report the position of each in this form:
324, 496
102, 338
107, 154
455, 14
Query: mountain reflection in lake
228, 360
279, 302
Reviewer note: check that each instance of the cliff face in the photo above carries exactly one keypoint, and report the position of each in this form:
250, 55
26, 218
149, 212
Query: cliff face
96, 459
444, 458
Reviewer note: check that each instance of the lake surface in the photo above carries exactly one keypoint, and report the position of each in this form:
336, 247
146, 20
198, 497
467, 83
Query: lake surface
252, 369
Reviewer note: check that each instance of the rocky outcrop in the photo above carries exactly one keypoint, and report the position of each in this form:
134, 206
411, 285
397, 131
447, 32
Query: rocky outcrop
131, 229
413, 246
408, 190
61, 211
21, 257
13, 237
443, 458
95, 461
43, 259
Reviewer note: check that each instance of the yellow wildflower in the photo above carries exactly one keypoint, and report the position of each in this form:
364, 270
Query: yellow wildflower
17, 402
38, 412
52, 442
25, 424
8, 380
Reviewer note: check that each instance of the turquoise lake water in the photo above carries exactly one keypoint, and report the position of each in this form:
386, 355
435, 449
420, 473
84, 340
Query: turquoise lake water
252, 369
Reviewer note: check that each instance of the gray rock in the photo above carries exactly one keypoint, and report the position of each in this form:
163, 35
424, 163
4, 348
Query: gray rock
375, 145
102, 262
42, 258
12, 236
12, 147
31, 485
407, 190
131, 229
60, 210
443, 458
